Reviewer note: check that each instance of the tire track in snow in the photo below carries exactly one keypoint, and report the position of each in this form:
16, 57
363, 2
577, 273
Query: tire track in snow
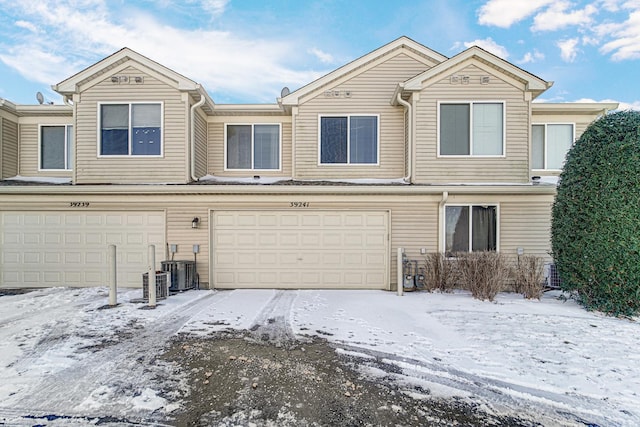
542, 406
113, 375
273, 323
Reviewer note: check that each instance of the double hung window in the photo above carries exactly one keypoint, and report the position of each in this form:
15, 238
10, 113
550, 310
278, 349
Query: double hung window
471, 228
550, 143
253, 147
55, 147
472, 129
350, 139
133, 129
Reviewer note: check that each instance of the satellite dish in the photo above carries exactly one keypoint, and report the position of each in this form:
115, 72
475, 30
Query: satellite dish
284, 92
40, 98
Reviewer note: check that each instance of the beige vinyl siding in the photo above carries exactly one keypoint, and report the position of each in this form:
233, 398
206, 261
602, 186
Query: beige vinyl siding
370, 93
179, 232
171, 167
512, 168
8, 148
414, 225
30, 150
216, 150
525, 222
200, 145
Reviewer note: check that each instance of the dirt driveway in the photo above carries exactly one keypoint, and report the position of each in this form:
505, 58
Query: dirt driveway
244, 379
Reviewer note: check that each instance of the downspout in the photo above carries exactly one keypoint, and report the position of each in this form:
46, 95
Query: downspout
441, 214
192, 145
74, 172
407, 107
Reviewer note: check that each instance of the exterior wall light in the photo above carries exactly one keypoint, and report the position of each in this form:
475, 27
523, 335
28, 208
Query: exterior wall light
195, 222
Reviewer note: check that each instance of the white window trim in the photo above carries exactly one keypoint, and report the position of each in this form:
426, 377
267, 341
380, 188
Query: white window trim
348, 163
474, 156
443, 232
66, 147
573, 141
129, 156
227, 169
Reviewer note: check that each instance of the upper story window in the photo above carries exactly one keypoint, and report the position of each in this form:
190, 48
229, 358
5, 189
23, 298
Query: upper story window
253, 147
471, 228
471, 129
133, 129
349, 139
55, 147
549, 145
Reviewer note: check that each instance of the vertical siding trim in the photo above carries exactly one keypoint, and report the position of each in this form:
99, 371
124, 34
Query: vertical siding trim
2, 142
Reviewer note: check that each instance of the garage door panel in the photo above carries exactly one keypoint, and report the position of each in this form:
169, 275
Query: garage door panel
304, 249
71, 248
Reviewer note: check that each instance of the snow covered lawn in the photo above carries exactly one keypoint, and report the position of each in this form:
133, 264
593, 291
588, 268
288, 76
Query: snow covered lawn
61, 353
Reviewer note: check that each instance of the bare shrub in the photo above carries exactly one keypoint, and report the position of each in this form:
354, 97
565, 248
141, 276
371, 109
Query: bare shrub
529, 276
483, 273
440, 272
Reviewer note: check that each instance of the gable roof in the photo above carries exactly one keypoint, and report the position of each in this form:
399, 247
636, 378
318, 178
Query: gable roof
72, 84
532, 83
401, 42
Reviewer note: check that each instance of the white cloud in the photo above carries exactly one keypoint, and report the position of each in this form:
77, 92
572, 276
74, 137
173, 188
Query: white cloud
214, 7
487, 44
531, 57
27, 26
625, 43
504, 13
568, 49
75, 35
557, 17
327, 58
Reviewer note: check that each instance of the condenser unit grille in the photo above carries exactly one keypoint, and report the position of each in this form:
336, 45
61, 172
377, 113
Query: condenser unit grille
553, 277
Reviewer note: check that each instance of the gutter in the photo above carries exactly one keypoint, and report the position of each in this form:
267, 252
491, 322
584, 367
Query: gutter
407, 107
192, 142
74, 173
288, 190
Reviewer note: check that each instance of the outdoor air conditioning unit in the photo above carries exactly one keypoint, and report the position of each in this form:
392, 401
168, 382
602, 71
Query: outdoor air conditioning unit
183, 274
552, 276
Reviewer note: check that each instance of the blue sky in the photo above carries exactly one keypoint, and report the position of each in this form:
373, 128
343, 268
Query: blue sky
245, 51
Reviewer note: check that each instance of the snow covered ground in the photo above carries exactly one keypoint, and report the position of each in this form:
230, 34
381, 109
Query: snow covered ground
62, 353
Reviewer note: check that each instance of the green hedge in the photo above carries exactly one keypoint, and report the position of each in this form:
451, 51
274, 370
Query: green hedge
595, 230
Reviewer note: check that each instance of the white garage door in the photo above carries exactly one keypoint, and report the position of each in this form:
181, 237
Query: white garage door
301, 249
71, 248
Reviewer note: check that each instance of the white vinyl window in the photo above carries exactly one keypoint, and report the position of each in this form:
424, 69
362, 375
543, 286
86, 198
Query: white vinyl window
549, 145
470, 228
471, 129
252, 147
349, 139
133, 129
55, 147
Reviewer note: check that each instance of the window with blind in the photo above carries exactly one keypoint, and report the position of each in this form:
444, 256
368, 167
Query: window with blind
550, 144
349, 139
252, 147
133, 129
55, 147
471, 129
